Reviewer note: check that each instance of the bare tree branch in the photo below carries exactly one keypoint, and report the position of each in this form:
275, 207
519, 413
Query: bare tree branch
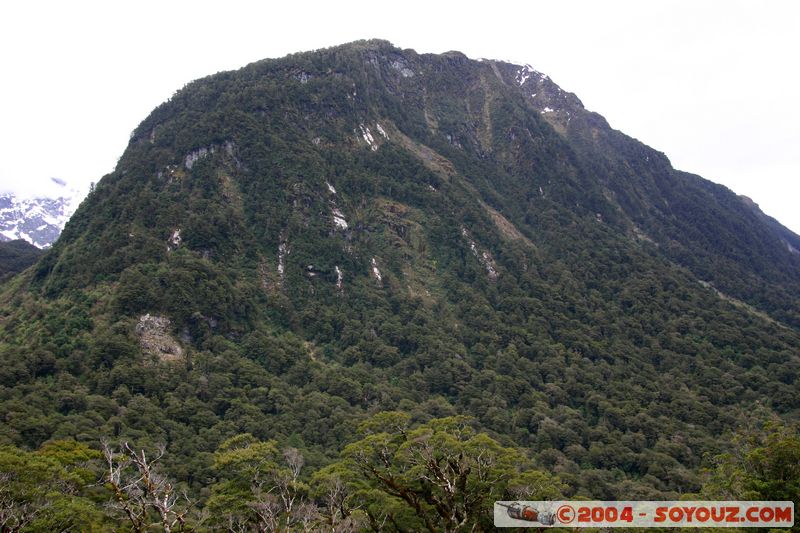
141, 492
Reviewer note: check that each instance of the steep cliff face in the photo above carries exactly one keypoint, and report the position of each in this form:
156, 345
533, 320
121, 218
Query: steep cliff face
364, 228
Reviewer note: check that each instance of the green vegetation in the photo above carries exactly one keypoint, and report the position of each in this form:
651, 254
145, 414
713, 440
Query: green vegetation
552, 298
764, 464
50, 489
16, 256
438, 476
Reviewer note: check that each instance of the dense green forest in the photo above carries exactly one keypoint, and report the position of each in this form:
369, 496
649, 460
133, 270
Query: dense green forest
16, 256
318, 291
438, 476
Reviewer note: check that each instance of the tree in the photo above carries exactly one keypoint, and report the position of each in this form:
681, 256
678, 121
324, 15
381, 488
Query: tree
48, 489
341, 503
258, 485
141, 492
444, 473
763, 465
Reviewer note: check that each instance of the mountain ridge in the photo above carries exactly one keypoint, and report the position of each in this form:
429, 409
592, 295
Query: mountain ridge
591, 124
287, 249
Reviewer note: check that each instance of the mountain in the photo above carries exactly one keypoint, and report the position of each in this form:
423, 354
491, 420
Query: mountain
350, 250
40, 220
16, 256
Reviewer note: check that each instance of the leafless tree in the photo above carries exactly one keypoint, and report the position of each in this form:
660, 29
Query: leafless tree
268, 509
14, 515
237, 524
334, 499
354, 524
294, 459
278, 504
141, 492
307, 517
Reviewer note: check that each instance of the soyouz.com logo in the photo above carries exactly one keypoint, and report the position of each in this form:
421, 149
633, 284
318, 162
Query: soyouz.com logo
770, 514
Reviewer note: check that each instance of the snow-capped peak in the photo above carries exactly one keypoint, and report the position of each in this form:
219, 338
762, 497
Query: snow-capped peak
38, 217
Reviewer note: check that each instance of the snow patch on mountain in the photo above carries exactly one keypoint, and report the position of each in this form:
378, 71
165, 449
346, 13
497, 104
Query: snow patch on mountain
38, 219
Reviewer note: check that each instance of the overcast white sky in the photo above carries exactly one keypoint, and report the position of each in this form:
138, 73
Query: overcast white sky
713, 84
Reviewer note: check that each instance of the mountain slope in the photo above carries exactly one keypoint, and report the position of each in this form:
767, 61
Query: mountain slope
16, 256
290, 247
700, 225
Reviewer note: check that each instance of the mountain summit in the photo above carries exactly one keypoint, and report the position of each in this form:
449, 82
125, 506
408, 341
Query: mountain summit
519, 145
289, 248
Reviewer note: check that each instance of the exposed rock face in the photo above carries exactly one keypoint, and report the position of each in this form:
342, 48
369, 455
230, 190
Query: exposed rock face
339, 278
155, 340
175, 240
484, 256
197, 155
401, 66
375, 272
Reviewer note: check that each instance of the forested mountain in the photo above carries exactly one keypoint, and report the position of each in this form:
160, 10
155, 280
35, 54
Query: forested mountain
316, 263
16, 256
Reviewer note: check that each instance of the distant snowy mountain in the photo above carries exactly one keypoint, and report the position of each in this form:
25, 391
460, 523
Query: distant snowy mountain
38, 220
